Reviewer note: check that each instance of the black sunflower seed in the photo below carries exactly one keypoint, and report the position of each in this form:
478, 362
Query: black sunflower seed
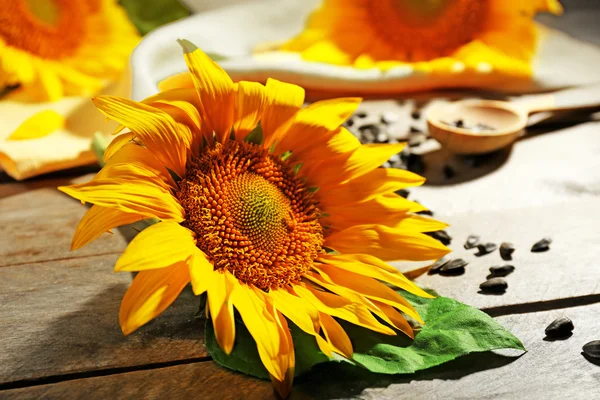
449, 172
542, 245
361, 114
560, 328
506, 250
486, 248
459, 123
592, 349
472, 241
442, 236
502, 270
416, 140
435, 267
453, 267
494, 285
414, 129
349, 122
416, 114
414, 163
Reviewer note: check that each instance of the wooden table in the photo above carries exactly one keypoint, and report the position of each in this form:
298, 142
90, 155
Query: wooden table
60, 336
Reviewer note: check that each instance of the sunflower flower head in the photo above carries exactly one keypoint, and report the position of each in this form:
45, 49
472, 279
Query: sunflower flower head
272, 209
56, 48
443, 36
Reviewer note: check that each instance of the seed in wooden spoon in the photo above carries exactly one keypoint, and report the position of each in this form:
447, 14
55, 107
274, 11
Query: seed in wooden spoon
502, 270
449, 172
472, 241
494, 285
506, 250
486, 248
453, 267
560, 328
442, 236
542, 245
592, 349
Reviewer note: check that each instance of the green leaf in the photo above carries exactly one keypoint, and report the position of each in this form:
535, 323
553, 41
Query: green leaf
147, 16
255, 136
451, 330
244, 357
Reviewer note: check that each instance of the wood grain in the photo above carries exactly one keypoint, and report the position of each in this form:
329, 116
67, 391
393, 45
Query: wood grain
569, 269
549, 370
37, 223
62, 317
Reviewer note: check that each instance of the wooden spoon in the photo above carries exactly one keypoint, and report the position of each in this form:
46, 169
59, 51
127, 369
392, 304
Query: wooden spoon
482, 126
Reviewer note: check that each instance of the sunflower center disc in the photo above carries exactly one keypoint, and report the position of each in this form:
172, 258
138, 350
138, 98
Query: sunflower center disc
252, 216
421, 30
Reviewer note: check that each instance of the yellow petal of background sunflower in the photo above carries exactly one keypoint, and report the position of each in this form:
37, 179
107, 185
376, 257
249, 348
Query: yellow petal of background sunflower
38, 125
160, 245
150, 293
98, 220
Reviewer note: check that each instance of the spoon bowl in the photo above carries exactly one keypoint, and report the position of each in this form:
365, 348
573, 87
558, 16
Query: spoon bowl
483, 126
476, 126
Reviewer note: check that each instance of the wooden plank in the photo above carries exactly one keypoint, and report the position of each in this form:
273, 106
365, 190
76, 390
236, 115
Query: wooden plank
62, 317
549, 370
37, 223
204, 380
567, 270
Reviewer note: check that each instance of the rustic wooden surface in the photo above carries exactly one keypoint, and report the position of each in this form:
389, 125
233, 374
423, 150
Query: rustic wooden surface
59, 332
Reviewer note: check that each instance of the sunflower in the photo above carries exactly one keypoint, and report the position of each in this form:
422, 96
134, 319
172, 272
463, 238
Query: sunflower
270, 208
56, 48
440, 35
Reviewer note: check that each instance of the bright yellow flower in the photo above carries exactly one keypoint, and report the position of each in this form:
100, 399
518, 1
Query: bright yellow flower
272, 209
439, 36
56, 48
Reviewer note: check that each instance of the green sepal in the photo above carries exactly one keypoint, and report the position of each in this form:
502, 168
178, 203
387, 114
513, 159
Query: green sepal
99, 145
255, 136
148, 16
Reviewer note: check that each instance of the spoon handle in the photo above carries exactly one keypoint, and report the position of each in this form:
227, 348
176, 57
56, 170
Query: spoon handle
568, 99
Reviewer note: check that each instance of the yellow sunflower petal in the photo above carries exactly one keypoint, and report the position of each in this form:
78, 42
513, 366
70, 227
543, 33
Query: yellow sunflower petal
316, 123
286, 358
336, 335
339, 142
248, 107
370, 185
370, 288
201, 272
182, 80
262, 325
181, 104
282, 103
220, 305
396, 318
147, 200
340, 307
116, 144
150, 293
99, 220
372, 267
386, 243
166, 139
215, 89
160, 245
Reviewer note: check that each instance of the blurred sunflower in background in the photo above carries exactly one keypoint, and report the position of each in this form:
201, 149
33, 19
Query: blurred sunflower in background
257, 199
56, 48
432, 35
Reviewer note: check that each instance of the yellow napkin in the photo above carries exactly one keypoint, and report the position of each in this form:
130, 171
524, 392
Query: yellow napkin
66, 128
